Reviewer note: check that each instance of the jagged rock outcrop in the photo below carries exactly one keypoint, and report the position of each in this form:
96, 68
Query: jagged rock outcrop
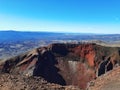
65, 64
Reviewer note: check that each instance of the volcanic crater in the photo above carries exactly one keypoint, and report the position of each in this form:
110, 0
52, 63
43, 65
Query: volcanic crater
65, 64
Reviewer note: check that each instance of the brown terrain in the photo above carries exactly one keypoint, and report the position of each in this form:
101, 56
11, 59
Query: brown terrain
108, 81
18, 82
64, 64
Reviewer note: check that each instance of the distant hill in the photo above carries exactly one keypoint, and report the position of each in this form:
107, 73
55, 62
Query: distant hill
18, 35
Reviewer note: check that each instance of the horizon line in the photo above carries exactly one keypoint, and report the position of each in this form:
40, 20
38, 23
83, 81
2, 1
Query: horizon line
60, 32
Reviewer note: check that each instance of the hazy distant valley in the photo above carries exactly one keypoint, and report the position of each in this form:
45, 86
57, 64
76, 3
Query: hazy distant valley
13, 43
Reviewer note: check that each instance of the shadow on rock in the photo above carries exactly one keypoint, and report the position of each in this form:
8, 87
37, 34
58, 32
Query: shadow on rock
45, 67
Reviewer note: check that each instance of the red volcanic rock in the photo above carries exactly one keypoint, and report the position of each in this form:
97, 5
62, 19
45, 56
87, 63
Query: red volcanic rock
87, 52
65, 64
83, 75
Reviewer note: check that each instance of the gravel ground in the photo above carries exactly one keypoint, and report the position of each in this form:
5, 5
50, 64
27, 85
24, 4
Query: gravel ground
108, 81
17, 82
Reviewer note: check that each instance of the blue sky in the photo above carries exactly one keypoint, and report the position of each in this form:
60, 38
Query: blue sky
85, 16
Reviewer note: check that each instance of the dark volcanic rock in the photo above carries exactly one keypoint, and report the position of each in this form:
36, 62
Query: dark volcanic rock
65, 64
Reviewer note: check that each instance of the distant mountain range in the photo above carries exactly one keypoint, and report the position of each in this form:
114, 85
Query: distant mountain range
18, 35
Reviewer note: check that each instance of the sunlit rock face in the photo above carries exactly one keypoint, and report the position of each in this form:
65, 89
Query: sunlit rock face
65, 64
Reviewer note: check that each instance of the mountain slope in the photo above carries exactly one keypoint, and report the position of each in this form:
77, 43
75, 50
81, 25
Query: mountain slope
108, 81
